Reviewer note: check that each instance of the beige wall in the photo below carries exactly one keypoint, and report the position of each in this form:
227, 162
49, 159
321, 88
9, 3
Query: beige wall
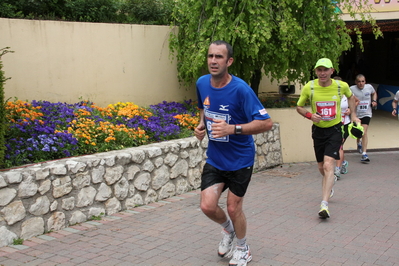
104, 63
267, 86
296, 141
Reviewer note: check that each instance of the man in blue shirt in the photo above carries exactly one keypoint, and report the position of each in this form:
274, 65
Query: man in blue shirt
230, 114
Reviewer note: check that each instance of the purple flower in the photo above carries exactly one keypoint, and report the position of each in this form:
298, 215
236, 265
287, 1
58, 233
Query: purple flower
47, 137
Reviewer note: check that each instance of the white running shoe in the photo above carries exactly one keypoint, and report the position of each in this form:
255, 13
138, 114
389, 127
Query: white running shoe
241, 256
226, 245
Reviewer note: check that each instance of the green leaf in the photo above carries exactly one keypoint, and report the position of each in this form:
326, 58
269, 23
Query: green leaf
284, 37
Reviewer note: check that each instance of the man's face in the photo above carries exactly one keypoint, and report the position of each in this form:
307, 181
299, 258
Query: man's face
217, 60
360, 82
323, 73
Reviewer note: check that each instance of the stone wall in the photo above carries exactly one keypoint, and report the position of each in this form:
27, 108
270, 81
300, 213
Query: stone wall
49, 196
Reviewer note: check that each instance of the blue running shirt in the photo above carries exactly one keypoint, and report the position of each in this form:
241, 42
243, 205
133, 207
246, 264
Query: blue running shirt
236, 103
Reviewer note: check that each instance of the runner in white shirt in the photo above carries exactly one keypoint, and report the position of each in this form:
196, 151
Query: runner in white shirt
367, 99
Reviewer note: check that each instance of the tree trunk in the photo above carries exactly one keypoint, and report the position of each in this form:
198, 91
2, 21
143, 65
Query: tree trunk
255, 80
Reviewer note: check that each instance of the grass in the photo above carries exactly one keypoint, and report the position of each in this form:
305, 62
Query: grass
17, 241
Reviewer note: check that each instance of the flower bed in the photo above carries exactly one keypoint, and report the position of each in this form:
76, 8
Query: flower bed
41, 131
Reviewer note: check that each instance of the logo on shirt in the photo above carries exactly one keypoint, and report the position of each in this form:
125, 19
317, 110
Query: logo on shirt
207, 102
224, 108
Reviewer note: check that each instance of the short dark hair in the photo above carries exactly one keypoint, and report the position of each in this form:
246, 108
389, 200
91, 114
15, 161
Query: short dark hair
228, 46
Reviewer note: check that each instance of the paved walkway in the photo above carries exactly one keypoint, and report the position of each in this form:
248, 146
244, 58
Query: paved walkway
284, 228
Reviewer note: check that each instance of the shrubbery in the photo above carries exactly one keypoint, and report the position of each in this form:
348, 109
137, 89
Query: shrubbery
155, 12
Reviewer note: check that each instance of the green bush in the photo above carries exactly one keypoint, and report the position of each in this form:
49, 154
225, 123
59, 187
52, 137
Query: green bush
8, 10
156, 12
40, 9
93, 10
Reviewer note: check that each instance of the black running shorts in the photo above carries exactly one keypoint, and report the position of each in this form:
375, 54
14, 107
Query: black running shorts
327, 141
365, 120
236, 181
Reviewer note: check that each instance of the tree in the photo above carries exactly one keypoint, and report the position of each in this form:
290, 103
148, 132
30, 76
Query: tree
281, 39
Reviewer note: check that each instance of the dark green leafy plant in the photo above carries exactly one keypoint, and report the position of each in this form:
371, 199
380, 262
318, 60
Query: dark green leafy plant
93, 11
156, 12
38, 9
279, 39
153, 12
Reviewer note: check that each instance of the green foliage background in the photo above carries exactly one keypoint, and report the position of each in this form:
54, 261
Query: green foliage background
155, 12
283, 39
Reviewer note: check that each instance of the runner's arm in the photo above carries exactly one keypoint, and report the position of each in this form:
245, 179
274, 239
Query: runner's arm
305, 113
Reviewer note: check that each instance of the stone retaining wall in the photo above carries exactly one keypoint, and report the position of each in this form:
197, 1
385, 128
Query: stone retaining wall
53, 195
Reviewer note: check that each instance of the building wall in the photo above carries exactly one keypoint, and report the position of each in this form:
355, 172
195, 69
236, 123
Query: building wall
105, 63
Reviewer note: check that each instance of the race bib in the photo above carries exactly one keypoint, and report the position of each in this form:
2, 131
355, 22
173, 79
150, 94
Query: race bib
363, 106
209, 118
327, 110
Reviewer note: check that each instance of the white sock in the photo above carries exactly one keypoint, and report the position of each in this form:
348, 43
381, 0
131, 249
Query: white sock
242, 242
228, 226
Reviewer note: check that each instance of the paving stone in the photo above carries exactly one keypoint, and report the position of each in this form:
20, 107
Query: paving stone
283, 225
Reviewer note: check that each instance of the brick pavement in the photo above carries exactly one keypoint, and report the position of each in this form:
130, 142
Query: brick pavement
283, 226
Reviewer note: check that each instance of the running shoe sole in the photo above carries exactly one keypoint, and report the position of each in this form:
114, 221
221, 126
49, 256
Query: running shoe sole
323, 214
365, 160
